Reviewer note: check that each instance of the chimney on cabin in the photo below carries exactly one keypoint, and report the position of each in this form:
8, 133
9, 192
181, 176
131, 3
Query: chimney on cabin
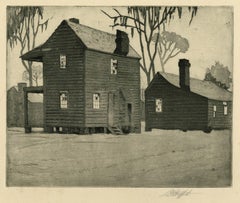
21, 85
122, 43
74, 20
184, 76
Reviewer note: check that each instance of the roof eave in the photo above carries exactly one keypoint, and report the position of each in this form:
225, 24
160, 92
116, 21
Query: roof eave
100, 51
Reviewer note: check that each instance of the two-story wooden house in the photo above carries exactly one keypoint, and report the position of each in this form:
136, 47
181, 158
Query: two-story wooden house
91, 80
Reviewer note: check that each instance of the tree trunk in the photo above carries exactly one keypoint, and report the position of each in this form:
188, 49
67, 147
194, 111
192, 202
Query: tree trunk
148, 77
153, 71
162, 64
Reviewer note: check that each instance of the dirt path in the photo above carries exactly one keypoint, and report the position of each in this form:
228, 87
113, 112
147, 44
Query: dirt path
156, 159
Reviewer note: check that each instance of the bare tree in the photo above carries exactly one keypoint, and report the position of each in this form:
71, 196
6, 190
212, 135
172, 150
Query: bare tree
36, 74
169, 45
23, 25
147, 21
219, 74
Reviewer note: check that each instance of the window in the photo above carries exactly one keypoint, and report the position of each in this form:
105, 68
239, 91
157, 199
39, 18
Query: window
64, 100
96, 101
214, 110
114, 66
225, 108
63, 61
158, 105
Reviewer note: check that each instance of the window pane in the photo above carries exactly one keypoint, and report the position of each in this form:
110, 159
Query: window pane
96, 101
214, 110
114, 65
63, 100
63, 60
158, 105
225, 110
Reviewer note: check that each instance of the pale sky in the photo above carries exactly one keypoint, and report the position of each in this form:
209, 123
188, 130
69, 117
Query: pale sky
210, 36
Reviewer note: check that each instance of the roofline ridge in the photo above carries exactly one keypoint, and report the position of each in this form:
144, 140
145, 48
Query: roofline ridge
196, 79
110, 34
68, 21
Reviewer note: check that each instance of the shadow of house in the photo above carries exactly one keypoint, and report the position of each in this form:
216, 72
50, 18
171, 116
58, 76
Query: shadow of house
181, 102
91, 80
15, 107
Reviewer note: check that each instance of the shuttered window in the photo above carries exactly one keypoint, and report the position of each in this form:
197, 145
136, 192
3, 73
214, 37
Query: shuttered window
225, 108
63, 99
158, 103
114, 66
63, 61
96, 101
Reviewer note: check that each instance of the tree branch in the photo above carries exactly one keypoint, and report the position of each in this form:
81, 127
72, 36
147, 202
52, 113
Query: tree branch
121, 16
129, 26
171, 56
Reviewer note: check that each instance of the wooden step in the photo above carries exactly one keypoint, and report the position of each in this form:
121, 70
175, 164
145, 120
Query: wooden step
115, 130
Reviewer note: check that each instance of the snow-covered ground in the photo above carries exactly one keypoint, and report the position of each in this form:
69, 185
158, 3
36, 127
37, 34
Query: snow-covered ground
161, 158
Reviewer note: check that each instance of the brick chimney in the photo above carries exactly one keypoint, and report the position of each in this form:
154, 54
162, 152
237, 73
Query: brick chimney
184, 77
122, 43
74, 20
21, 85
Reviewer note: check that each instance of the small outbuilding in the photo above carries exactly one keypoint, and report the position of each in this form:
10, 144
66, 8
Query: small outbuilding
181, 102
15, 107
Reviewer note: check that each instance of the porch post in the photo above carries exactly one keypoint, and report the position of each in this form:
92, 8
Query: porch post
27, 128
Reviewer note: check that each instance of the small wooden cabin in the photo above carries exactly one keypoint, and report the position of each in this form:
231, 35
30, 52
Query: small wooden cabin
181, 102
91, 80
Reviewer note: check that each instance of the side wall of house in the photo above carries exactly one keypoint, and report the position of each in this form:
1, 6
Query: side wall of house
100, 80
64, 41
180, 109
219, 120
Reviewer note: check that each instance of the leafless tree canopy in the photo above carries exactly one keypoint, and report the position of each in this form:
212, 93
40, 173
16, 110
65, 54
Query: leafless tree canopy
23, 25
147, 21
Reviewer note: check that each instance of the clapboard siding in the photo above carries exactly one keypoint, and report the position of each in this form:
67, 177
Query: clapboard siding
129, 80
71, 79
180, 109
98, 79
220, 120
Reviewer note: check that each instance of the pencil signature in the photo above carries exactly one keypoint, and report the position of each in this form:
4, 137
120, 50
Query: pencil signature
177, 193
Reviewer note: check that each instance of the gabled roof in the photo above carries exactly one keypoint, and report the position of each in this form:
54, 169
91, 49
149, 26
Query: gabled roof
97, 39
92, 39
13, 88
204, 88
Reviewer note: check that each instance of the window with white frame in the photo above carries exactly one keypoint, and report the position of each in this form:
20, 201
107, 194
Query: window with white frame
214, 110
63, 61
96, 100
225, 108
114, 66
158, 105
63, 99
